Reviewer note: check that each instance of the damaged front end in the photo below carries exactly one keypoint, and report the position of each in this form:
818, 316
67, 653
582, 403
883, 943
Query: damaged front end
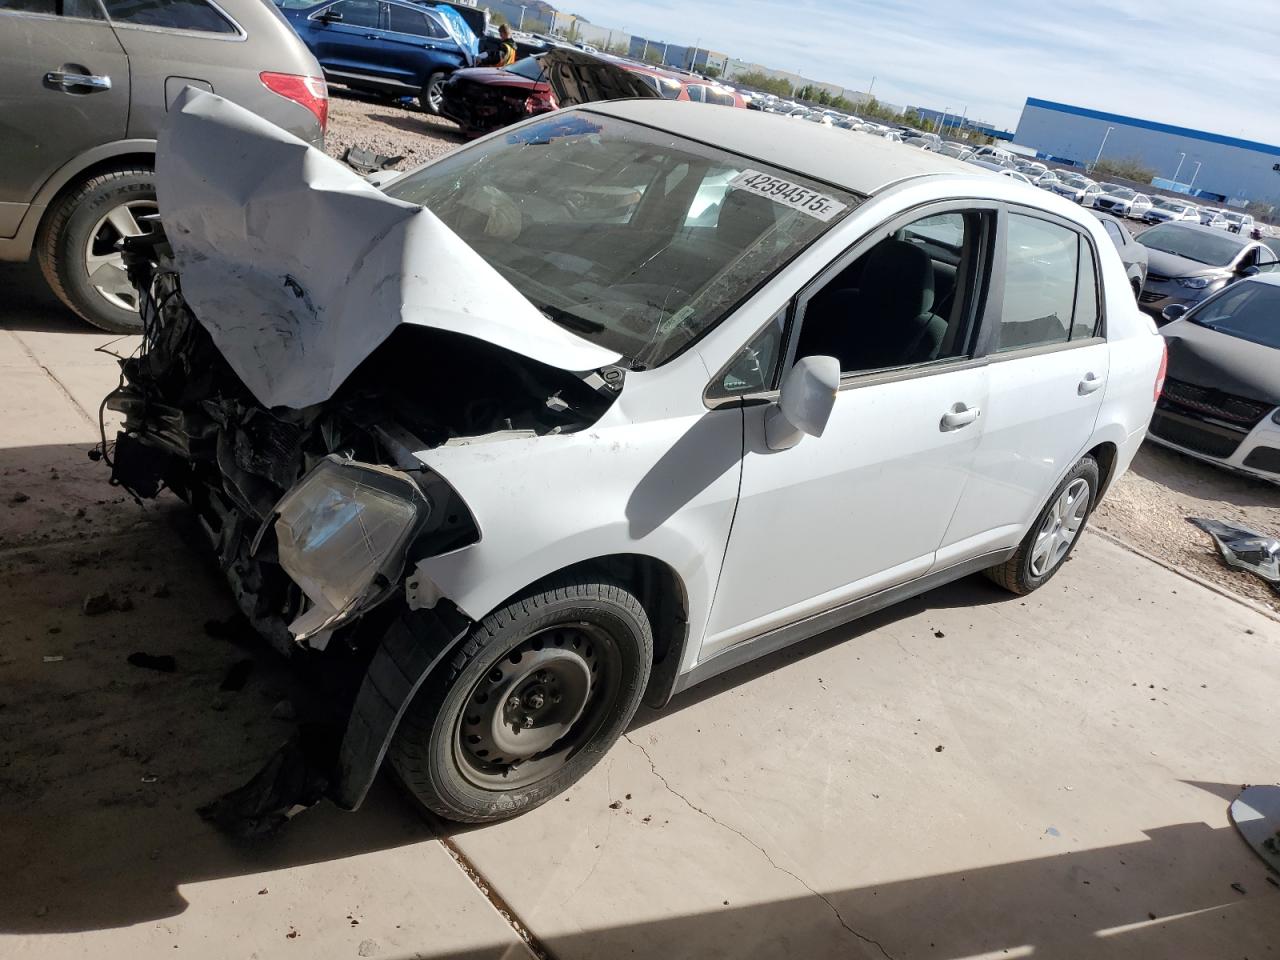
293, 439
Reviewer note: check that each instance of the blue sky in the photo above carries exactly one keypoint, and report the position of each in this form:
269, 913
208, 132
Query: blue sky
1208, 66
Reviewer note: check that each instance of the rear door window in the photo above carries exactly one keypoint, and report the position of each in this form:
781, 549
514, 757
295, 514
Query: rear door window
169, 15
414, 22
77, 9
1050, 286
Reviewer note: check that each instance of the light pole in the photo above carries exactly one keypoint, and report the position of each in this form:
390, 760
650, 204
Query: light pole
1100, 147
520, 25
1192, 185
942, 124
1181, 157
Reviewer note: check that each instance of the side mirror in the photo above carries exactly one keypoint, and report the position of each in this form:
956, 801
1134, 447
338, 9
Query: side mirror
804, 403
1250, 271
1173, 312
330, 16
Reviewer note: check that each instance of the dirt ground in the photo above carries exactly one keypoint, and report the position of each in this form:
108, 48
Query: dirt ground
1147, 509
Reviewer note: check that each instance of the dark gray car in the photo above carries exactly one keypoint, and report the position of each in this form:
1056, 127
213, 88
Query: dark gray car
84, 85
1187, 263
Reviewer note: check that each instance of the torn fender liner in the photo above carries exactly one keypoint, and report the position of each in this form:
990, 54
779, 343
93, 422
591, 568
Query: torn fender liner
411, 649
299, 268
1245, 549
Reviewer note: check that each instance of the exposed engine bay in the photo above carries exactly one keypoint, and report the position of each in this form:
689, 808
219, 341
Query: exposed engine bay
193, 427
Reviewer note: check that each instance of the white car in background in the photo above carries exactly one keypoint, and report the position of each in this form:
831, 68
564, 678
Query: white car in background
1213, 217
863, 373
1077, 188
1164, 210
1122, 201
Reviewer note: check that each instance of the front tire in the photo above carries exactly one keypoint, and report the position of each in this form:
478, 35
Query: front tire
432, 95
1054, 534
77, 245
537, 693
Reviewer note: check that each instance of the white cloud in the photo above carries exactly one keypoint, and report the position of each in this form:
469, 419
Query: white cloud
1176, 63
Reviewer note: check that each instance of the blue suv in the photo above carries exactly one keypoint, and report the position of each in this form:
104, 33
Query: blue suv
394, 47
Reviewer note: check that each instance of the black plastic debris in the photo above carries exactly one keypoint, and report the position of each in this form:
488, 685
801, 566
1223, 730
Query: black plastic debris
1245, 549
296, 777
237, 676
366, 161
149, 661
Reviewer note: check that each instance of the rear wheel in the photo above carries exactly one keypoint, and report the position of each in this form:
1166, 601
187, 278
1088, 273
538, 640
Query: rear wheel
537, 694
433, 92
78, 245
1054, 534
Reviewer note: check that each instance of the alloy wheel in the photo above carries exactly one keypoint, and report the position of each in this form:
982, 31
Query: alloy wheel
1060, 527
104, 262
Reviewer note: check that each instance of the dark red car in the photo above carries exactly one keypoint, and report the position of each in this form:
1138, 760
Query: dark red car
481, 99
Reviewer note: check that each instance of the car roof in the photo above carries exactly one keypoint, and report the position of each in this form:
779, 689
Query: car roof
861, 164
1243, 241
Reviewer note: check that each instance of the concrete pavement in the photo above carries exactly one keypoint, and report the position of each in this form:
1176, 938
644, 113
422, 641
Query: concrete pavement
968, 775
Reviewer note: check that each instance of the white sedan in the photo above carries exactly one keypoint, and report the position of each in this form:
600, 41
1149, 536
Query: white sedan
537, 442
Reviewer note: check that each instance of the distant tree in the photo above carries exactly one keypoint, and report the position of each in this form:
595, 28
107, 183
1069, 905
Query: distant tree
618, 49
653, 55
532, 25
1128, 168
711, 72
754, 80
497, 19
1260, 210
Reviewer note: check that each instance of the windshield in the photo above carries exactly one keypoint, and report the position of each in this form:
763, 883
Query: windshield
1245, 310
529, 68
1169, 205
631, 237
1074, 180
1202, 246
1121, 193
1234, 217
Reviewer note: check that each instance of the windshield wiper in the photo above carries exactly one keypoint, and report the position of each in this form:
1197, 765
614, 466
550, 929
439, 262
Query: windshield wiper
570, 320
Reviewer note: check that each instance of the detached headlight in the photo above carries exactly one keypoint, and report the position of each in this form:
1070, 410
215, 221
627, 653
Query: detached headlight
342, 531
1194, 283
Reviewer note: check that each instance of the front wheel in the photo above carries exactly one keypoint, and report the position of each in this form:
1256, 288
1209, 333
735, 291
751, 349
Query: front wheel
1054, 534
537, 693
432, 95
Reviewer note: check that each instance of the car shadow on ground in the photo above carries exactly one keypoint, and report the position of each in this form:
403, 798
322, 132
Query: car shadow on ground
104, 763
1195, 478
30, 305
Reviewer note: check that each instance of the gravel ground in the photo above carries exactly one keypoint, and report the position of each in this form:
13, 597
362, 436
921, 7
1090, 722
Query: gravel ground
1147, 508
386, 128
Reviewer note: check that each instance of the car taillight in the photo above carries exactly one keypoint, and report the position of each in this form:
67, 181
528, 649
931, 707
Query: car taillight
1164, 368
540, 102
310, 92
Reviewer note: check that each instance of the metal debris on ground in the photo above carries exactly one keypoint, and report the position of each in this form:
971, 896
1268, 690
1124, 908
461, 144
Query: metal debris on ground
366, 161
1245, 549
57, 659
163, 662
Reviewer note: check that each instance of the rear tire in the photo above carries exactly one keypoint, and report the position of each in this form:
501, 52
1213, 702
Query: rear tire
534, 697
1054, 534
76, 225
433, 92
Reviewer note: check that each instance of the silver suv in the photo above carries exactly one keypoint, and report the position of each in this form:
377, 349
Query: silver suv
84, 84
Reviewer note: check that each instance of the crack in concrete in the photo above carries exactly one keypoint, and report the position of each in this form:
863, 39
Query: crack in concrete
763, 852
53, 378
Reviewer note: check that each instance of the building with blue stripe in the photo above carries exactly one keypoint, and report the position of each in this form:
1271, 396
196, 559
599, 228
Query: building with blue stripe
1208, 164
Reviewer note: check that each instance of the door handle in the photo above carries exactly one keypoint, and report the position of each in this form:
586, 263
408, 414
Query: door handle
960, 416
59, 79
1090, 383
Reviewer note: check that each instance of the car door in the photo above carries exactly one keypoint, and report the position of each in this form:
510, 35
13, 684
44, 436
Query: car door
416, 44
864, 506
348, 38
64, 88
1049, 363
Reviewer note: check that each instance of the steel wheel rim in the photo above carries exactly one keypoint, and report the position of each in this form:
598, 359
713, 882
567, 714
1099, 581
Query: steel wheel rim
537, 706
1061, 527
104, 263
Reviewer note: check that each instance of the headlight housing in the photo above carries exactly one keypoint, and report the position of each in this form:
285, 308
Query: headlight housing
342, 531
1194, 283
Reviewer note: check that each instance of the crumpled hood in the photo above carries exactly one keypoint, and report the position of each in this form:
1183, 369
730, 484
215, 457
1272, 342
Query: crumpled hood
1172, 265
1208, 358
299, 268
